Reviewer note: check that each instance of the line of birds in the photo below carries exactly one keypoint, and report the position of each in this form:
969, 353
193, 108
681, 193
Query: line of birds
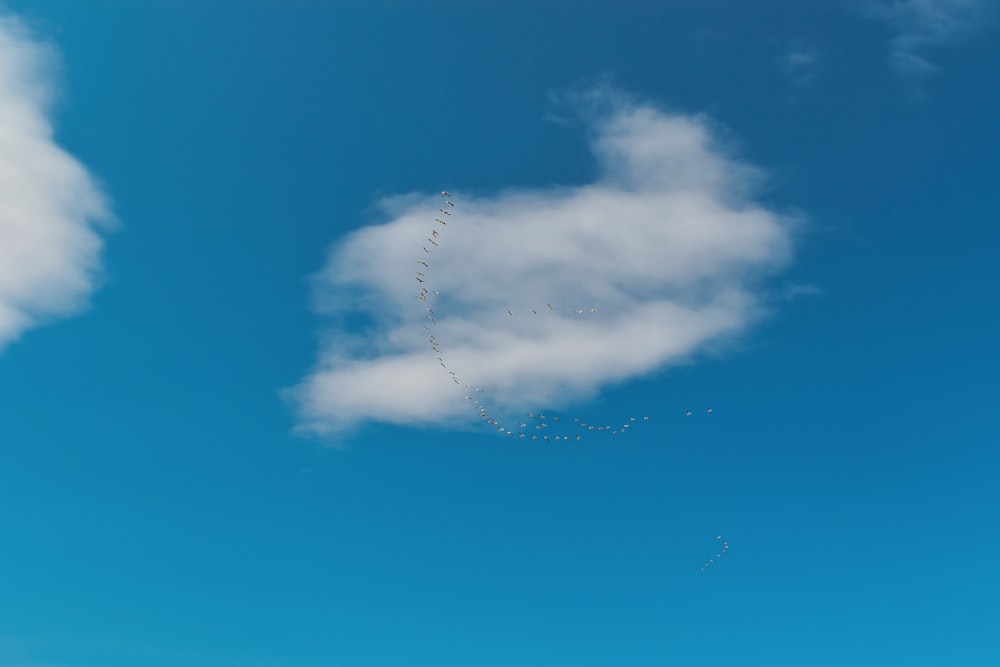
427, 295
537, 426
719, 554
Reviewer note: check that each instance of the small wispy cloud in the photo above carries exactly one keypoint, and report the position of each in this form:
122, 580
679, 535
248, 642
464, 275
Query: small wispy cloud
658, 258
798, 65
49, 250
921, 25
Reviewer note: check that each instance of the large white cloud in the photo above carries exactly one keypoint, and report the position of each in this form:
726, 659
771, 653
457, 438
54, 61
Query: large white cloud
920, 25
667, 244
49, 251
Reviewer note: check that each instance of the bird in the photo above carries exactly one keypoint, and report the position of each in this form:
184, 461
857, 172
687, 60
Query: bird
450, 202
551, 307
445, 193
533, 311
425, 249
441, 221
444, 211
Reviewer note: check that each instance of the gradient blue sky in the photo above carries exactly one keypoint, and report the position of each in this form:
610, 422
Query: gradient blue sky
161, 505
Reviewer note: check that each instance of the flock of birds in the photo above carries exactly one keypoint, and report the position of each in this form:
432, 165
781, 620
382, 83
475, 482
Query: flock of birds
709, 562
532, 426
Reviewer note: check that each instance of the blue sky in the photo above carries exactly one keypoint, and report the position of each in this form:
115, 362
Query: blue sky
226, 442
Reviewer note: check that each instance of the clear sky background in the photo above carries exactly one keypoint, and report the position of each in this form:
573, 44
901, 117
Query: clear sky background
174, 493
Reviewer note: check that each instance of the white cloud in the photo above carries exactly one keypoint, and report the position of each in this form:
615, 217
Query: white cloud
919, 25
49, 252
668, 243
799, 66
